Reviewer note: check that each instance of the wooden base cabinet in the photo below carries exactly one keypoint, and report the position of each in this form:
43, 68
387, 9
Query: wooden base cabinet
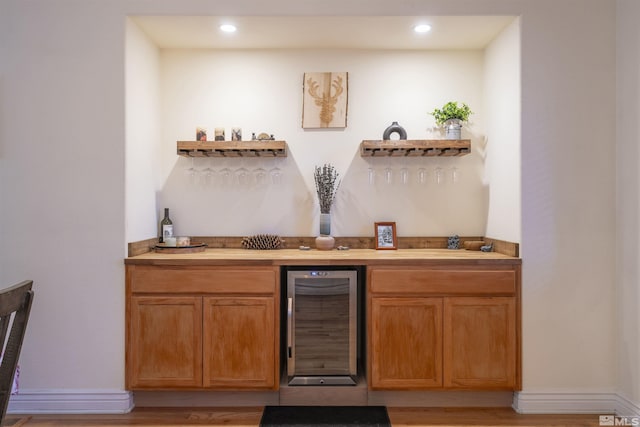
239, 334
202, 328
427, 331
480, 342
167, 349
406, 342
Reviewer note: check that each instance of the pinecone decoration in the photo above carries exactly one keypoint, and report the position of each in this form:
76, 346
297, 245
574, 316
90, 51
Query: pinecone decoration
263, 241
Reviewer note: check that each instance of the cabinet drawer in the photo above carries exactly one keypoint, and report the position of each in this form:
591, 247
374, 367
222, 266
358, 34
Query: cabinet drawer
150, 279
450, 282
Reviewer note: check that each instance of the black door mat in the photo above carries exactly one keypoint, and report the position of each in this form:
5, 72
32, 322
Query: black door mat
352, 416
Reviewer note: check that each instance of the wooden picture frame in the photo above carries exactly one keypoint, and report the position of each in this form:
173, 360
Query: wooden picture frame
386, 235
325, 100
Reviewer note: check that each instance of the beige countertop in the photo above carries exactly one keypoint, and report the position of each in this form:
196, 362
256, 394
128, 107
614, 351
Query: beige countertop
333, 257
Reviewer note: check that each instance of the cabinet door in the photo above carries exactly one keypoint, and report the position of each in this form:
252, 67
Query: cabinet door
480, 342
165, 342
406, 343
239, 342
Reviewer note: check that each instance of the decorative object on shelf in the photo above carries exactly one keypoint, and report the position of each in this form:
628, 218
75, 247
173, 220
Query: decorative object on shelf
394, 128
263, 242
487, 248
236, 134
451, 116
325, 100
327, 183
265, 137
219, 134
201, 134
386, 235
473, 245
453, 242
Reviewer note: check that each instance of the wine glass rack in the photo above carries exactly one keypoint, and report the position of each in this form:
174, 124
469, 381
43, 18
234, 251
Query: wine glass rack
268, 148
415, 148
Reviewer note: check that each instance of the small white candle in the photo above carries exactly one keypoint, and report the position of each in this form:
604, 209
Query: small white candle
170, 241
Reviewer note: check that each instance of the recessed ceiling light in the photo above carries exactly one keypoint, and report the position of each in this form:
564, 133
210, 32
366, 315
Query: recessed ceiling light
228, 28
422, 28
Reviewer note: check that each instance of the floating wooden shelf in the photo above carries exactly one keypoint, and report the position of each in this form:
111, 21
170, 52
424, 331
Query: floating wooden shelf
232, 148
415, 148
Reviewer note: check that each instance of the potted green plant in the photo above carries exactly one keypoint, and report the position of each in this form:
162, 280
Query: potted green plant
451, 116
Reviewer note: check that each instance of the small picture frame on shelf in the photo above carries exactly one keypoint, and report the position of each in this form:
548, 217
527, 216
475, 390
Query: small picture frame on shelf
386, 235
201, 134
236, 134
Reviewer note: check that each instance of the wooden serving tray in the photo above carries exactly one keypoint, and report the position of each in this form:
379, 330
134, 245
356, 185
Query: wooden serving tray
190, 249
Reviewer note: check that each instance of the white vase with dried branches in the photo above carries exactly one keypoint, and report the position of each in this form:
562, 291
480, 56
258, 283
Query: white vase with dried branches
327, 183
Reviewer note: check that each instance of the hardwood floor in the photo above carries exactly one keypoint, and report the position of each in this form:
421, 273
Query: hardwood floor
400, 417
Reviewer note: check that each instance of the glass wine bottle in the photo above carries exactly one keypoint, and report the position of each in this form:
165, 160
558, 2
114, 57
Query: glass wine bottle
166, 226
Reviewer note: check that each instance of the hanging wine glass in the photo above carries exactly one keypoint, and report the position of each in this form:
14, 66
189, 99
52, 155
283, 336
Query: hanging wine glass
208, 174
191, 172
276, 174
455, 175
439, 175
422, 176
371, 175
260, 175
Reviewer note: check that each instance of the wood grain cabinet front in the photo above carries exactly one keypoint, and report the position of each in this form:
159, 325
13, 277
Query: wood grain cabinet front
239, 336
444, 329
206, 328
167, 349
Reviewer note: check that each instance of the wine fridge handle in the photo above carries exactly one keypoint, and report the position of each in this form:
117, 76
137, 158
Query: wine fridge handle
289, 325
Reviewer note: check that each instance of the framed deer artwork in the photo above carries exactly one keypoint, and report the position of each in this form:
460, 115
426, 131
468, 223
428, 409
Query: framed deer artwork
325, 100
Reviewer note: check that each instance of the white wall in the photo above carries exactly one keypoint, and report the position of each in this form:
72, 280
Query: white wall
261, 91
62, 193
502, 146
62, 187
143, 134
628, 207
568, 198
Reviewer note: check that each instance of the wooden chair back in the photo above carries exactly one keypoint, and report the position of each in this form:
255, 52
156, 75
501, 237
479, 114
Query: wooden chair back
15, 306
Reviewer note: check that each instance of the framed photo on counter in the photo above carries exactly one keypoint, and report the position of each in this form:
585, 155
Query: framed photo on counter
386, 235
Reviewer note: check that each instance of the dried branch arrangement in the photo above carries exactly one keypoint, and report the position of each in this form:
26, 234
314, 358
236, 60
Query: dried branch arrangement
327, 184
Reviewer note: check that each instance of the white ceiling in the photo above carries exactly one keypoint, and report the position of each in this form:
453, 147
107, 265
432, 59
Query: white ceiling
335, 32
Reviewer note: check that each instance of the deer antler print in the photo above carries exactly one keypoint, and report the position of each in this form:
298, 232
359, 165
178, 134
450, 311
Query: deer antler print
326, 101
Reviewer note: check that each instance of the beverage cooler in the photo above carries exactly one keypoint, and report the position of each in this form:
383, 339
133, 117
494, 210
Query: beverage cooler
322, 326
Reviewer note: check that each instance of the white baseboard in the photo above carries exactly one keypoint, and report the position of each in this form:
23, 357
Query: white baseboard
627, 408
574, 403
71, 402
120, 402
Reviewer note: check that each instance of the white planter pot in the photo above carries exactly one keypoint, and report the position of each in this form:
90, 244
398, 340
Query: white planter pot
453, 129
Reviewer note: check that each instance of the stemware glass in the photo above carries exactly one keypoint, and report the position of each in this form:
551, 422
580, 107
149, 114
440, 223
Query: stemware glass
276, 174
422, 176
192, 172
260, 175
455, 175
404, 175
371, 175
242, 175
226, 176
388, 175
208, 174
439, 175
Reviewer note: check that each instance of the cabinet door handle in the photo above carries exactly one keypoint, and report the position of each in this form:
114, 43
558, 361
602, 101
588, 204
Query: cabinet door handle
289, 325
